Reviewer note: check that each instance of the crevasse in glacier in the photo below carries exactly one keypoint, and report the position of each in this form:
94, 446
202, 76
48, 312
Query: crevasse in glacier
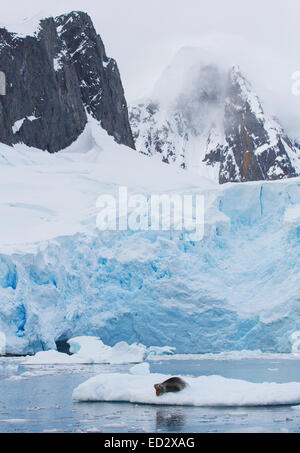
237, 289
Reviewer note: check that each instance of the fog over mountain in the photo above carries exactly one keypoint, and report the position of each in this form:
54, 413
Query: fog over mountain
204, 115
262, 37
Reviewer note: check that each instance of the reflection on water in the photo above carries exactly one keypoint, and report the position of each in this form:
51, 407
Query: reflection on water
167, 418
39, 399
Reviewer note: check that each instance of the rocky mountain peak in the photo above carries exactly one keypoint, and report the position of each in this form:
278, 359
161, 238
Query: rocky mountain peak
55, 78
218, 128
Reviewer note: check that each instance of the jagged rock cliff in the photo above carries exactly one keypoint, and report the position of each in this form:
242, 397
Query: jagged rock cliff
54, 79
214, 124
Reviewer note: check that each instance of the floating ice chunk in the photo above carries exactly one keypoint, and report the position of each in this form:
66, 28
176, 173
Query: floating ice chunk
123, 353
87, 350
142, 369
50, 357
202, 391
94, 350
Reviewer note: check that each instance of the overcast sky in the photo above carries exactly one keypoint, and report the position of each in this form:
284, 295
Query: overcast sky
263, 36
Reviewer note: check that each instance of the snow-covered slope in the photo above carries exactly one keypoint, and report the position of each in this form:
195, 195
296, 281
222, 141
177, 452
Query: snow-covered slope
60, 277
44, 196
206, 117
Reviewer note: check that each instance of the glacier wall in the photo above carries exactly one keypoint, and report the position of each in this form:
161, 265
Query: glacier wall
237, 289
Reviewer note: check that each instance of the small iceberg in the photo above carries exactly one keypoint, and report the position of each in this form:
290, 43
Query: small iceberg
213, 391
142, 369
91, 350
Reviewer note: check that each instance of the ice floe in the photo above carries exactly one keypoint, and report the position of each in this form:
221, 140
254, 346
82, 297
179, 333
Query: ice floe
214, 391
88, 350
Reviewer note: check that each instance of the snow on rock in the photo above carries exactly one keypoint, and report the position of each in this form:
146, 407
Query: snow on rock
18, 124
201, 391
205, 117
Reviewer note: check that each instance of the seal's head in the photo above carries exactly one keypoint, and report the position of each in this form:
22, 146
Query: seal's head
159, 389
174, 384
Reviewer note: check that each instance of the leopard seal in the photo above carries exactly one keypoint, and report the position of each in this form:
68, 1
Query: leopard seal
172, 385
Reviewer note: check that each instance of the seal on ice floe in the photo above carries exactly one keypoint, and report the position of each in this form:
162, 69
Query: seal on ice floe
174, 384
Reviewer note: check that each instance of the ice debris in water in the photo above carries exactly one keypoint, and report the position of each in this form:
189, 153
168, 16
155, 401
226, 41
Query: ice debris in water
89, 350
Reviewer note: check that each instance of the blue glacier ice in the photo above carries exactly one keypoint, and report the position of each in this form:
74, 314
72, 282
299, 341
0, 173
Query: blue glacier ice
237, 289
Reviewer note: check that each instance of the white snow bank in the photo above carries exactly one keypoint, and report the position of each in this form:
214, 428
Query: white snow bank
2, 343
44, 208
87, 350
201, 391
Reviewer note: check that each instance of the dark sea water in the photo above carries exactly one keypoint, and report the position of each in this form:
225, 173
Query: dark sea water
39, 399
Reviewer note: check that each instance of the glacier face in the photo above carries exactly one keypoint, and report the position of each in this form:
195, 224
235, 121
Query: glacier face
237, 289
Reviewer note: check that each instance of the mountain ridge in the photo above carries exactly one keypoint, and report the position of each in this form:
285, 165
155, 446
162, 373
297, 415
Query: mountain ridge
54, 79
215, 125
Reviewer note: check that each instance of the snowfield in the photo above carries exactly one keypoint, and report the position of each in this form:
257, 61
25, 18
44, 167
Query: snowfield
238, 289
214, 391
44, 195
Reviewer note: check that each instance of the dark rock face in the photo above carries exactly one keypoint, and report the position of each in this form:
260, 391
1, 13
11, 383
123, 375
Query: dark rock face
219, 126
256, 147
54, 79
